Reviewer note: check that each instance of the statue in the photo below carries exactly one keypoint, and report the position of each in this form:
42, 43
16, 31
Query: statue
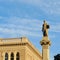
45, 28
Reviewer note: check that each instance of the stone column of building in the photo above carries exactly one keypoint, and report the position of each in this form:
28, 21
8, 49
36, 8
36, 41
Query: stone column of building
9, 56
14, 55
45, 42
0, 56
3, 56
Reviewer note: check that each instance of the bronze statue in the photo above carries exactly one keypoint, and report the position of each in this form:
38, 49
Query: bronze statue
45, 28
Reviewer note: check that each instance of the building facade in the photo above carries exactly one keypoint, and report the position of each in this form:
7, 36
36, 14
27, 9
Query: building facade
18, 49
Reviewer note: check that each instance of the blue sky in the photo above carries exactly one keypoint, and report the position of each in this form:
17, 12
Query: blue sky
20, 18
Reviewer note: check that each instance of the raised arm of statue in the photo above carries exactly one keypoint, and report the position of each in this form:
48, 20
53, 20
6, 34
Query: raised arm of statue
45, 28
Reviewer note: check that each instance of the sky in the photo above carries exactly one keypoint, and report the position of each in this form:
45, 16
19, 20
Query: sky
24, 18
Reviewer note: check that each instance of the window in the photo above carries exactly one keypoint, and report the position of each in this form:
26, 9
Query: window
17, 56
12, 56
6, 56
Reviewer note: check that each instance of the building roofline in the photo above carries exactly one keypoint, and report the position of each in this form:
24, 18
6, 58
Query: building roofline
18, 41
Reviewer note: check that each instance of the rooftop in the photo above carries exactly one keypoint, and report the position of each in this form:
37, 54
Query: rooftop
17, 41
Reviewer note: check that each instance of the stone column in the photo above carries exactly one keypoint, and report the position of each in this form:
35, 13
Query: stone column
45, 43
3, 56
9, 56
0, 55
14, 55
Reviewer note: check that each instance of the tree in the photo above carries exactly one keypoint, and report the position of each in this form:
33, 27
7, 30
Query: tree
57, 57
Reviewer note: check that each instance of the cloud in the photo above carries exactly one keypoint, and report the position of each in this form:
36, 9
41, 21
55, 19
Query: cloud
30, 8
23, 27
26, 27
55, 27
18, 31
49, 7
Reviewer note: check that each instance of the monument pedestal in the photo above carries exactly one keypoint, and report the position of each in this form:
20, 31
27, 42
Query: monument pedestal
45, 43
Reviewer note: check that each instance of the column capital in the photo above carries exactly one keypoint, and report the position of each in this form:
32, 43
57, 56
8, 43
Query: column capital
43, 42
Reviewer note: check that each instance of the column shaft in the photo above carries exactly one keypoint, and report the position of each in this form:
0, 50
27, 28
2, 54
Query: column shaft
3, 56
15, 56
9, 57
45, 52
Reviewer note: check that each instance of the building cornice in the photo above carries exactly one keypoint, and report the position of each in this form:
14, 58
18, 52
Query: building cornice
18, 41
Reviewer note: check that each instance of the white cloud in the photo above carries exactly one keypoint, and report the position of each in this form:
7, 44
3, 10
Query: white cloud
55, 28
26, 27
20, 32
23, 27
48, 6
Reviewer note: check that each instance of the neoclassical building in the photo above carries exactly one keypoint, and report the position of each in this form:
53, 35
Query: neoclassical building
18, 49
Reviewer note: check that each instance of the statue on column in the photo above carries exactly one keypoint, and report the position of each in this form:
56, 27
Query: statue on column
45, 28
